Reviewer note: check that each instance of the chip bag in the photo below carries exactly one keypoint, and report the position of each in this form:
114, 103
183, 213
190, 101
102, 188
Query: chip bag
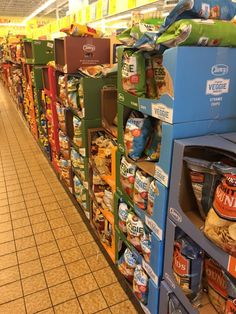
127, 264
133, 72
127, 176
153, 148
145, 242
141, 187
79, 30
135, 230
77, 131
123, 211
152, 194
140, 284
220, 225
207, 33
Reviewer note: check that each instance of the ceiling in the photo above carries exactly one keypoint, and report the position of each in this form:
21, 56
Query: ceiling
23, 8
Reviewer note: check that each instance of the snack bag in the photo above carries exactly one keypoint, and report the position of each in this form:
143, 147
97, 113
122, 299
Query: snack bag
79, 30
136, 135
231, 288
145, 242
140, 284
80, 192
141, 187
207, 33
127, 176
220, 225
133, 73
152, 194
153, 147
188, 265
108, 201
127, 264
123, 211
135, 230
204, 180
150, 80
77, 131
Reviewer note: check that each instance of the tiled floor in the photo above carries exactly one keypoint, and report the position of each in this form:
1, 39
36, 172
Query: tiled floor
49, 262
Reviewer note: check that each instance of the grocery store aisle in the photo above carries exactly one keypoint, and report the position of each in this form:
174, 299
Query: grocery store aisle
49, 262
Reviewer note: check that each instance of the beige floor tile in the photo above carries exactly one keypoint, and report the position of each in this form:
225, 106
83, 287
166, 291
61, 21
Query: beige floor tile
48, 199
61, 196
19, 214
105, 277
6, 236
41, 227
72, 215
92, 302
84, 284
22, 222
23, 232
13, 187
45, 192
67, 243
51, 206
35, 210
17, 207
124, 307
14, 307
69, 307
14, 193
29, 190
62, 292
84, 237
32, 196
37, 302
35, 219
3, 196
34, 284
27, 255
79, 227
114, 294
33, 203
72, 255
16, 200
54, 214
8, 260
4, 202
66, 203
58, 222
44, 237
56, 276
4, 209
78, 268
5, 226
106, 311
62, 232
48, 311
97, 262
7, 248
24, 243
47, 249
5, 217
90, 249
30, 268
9, 275
51, 261
10, 292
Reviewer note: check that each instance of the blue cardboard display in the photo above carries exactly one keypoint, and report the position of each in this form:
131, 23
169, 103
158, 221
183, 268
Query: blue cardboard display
203, 80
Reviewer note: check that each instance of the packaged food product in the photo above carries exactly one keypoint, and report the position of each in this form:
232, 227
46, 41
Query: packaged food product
127, 176
221, 287
207, 9
152, 194
77, 131
188, 265
72, 89
153, 148
140, 284
79, 30
133, 72
135, 230
145, 242
204, 179
136, 135
209, 33
108, 201
220, 225
150, 80
127, 264
80, 192
141, 188
123, 211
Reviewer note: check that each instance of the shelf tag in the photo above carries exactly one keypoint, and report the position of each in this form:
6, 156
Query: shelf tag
150, 272
154, 227
162, 112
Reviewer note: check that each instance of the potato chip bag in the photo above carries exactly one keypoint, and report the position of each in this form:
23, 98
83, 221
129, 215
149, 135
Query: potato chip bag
135, 230
145, 242
150, 80
152, 194
127, 264
77, 131
127, 176
141, 187
123, 211
136, 135
140, 284
220, 225
133, 73
153, 148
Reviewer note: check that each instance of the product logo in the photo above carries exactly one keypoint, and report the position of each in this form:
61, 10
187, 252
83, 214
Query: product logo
121, 97
89, 48
219, 69
176, 215
217, 87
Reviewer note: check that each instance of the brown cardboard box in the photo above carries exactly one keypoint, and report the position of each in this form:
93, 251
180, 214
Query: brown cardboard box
74, 52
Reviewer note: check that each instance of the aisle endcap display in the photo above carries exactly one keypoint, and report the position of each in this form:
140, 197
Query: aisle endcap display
38, 52
204, 92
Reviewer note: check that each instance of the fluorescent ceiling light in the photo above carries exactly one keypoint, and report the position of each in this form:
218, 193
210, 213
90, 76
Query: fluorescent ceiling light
149, 10
39, 10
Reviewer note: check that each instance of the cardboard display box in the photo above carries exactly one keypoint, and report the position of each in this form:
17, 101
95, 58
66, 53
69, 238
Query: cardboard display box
38, 51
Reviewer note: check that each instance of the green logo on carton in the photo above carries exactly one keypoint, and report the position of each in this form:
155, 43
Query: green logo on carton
121, 97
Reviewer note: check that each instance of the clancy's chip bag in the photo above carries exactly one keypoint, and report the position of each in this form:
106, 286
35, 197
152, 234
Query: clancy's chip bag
207, 33
203, 9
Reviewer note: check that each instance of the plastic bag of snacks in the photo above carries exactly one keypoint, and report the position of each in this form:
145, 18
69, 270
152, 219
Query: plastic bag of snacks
220, 225
123, 212
108, 201
221, 287
153, 148
204, 179
140, 284
80, 192
127, 264
141, 187
72, 89
133, 73
152, 194
150, 80
127, 176
135, 230
136, 135
145, 242
79, 30
188, 265
209, 33
207, 9
77, 131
